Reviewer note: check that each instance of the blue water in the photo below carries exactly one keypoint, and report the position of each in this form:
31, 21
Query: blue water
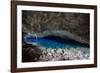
54, 42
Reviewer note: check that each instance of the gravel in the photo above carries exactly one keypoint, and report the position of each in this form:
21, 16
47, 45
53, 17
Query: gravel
60, 54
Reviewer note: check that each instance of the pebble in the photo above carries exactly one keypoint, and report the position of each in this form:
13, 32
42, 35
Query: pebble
59, 54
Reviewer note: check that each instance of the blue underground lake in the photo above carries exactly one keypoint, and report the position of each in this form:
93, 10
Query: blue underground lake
54, 42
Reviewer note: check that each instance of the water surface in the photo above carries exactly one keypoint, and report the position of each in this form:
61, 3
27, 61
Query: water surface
54, 42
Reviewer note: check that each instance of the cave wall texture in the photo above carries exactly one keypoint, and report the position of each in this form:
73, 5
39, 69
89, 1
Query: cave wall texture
40, 21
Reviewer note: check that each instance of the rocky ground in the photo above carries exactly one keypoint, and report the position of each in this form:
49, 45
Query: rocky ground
34, 53
64, 54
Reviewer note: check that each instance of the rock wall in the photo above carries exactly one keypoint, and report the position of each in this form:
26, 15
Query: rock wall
75, 23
